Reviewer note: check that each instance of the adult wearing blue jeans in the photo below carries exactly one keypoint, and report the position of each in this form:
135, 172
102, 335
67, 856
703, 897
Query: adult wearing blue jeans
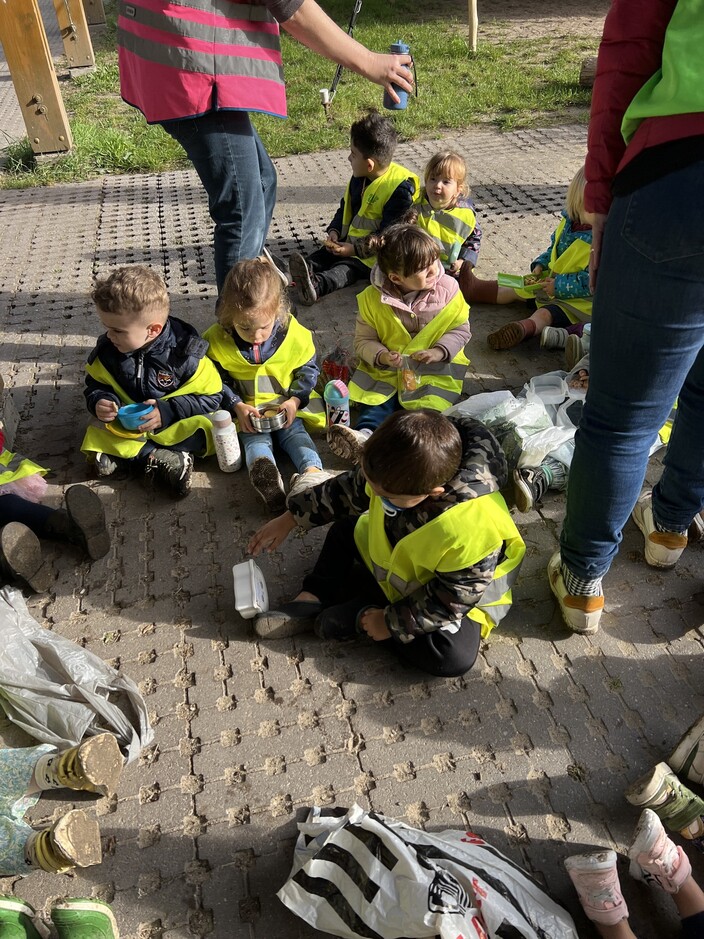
198, 69
648, 316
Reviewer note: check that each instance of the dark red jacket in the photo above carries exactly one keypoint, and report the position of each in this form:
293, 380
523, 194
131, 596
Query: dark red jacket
629, 54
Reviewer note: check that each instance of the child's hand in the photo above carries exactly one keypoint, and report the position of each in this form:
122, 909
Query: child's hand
152, 421
290, 408
455, 267
342, 249
392, 359
242, 412
537, 270
333, 237
373, 623
548, 285
271, 535
106, 410
429, 355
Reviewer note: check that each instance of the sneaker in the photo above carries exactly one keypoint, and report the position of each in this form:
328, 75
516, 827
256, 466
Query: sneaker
696, 529
529, 487
655, 858
687, 758
662, 548
21, 557
581, 614
83, 919
172, 467
676, 805
595, 879
347, 443
289, 619
105, 465
303, 278
574, 351
17, 920
268, 484
279, 265
553, 337
302, 481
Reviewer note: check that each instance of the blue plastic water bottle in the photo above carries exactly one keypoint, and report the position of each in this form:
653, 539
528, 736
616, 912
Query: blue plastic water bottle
398, 48
337, 403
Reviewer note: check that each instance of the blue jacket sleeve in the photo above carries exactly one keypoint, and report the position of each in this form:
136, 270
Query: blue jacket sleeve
94, 391
572, 285
470, 248
304, 380
398, 203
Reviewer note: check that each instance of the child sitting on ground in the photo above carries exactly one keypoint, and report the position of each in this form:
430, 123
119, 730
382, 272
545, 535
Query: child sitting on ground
422, 552
149, 357
268, 361
447, 213
562, 293
379, 193
411, 330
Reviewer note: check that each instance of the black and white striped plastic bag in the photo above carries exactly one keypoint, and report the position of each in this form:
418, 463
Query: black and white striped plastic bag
363, 876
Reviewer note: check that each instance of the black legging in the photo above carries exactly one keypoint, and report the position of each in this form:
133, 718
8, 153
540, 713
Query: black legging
14, 508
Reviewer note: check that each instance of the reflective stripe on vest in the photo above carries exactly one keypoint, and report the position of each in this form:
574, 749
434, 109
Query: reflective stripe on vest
205, 381
374, 198
439, 383
269, 382
449, 228
182, 59
459, 538
15, 466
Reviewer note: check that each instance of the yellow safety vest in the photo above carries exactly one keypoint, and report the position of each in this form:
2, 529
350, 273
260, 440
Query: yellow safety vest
439, 383
449, 228
204, 381
374, 198
459, 538
13, 466
268, 382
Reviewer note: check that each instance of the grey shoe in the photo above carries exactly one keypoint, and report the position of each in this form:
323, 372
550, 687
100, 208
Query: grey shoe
529, 486
268, 484
574, 351
174, 468
553, 337
303, 279
289, 619
302, 481
346, 442
21, 557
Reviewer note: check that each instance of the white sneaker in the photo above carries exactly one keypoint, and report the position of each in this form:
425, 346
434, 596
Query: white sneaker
687, 758
595, 878
278, 265
302, 481
553, 337
662, 548
654, 857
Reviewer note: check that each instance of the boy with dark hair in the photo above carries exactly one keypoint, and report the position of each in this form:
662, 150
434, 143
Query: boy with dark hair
148, 357
379, 193
422, 553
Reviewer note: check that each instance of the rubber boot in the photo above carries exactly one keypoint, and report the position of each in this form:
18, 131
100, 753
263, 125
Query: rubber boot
93, 766
76, 918
82, 522
21, 557
475, 290
17, 919
73, 841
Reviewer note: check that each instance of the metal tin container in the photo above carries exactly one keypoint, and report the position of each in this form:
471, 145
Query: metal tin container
267, 424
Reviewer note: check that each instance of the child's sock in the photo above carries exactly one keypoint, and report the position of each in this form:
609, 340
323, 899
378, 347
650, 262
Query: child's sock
512, 334
556, 473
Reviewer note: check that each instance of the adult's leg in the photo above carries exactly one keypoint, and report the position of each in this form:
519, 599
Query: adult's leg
237, 175
647, 340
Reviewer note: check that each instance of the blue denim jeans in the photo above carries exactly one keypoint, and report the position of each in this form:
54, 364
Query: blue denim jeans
294, 441
372, 415
237, 175
646, 350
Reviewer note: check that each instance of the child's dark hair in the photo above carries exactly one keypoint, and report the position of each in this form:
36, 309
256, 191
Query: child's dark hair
412, 452
132, 292
375, 137
252, 287
403, 249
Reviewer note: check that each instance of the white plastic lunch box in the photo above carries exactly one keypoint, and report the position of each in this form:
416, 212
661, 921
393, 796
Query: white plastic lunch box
251, 595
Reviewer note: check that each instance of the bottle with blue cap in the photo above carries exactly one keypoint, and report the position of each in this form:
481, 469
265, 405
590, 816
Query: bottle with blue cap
337, 403
398, 48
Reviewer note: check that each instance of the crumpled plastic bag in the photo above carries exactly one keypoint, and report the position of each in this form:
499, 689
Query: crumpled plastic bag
60, 693
363, 875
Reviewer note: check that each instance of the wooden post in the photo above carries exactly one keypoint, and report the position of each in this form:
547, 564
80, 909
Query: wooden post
32, 70
473, 24
95, 12
74, 33
588, 72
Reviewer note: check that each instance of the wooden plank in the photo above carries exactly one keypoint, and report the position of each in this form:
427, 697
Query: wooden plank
32, 71
95, 12
473, 17
74, 33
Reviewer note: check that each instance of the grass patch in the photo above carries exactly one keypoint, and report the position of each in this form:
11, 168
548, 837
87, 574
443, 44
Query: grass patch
515, 83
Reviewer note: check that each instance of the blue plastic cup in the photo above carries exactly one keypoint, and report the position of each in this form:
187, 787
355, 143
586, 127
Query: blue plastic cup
131, 415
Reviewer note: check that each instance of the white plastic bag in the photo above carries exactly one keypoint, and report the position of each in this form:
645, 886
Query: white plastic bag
364, 875
59, 692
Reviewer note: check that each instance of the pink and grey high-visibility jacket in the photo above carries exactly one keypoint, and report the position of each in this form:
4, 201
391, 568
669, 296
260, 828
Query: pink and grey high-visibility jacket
183, 58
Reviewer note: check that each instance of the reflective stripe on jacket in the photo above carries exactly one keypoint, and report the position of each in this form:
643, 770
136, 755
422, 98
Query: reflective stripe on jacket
106, 439
453, 541
259, 383
439, 384
375, 196
14, 466
181, 59
449, 228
